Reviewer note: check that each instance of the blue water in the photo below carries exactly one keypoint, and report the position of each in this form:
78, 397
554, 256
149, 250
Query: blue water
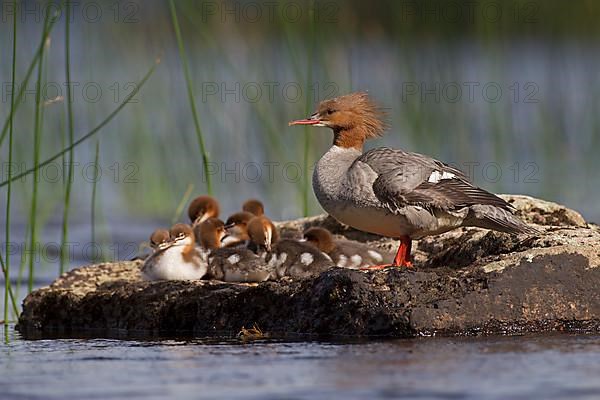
538, 367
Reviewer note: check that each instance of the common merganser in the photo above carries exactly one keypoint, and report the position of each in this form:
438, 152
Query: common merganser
210, 234
159, 239
239, 264
391, 192
237, 228
345, 253
229, 264
203, 208
254, 206
288, 257
179, 259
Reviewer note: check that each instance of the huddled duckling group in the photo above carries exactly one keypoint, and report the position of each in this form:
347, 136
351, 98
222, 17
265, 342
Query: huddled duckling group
247, 247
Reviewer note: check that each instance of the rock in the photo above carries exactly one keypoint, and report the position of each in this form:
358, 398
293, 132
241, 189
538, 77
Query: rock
468, 281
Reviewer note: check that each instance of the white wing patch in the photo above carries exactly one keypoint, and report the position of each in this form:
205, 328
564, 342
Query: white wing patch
233, 259
375, 255
342, 261
306, 258
356, 261
437, 176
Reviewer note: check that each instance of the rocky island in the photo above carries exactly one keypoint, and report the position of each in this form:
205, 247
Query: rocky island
468, 281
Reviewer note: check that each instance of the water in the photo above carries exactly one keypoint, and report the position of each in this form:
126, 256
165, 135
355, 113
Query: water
547, 366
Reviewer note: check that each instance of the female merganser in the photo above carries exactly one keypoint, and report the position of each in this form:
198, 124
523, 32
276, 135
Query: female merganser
345, 253
237, 228
391, 192
288, 257
254, 206
180, 259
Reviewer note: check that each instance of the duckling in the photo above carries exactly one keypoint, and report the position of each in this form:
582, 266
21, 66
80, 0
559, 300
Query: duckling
178, 259
237, 229
159, 239
238, 264
287, 256
203, 208
254, 206
345, 253
210, 234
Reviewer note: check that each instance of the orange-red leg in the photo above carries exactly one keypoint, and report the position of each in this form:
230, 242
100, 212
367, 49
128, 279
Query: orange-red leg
402, 258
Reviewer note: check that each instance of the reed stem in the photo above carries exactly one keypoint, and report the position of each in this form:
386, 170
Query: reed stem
93, 206
69, 184
188, 81
37, 133
6, 267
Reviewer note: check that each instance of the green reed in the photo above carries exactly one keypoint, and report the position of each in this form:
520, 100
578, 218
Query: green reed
69, 183
306, 182
93, 205
37, 134
184, 200
6, 267
188, 81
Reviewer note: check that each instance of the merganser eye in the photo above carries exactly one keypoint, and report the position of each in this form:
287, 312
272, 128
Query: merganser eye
330, 111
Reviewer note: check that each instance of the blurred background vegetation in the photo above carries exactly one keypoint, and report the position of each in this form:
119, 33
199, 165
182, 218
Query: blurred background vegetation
507, 90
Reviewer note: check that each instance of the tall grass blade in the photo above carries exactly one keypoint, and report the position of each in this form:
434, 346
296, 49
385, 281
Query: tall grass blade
307, 111
184, 199
37, 133
93, 206
188, 81
10, 291
6, 267
69, 184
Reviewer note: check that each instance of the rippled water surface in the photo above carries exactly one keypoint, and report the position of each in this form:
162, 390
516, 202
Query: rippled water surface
548, 367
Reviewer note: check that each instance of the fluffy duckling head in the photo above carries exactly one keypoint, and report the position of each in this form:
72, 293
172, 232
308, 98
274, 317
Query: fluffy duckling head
321, 238
182, 234
254, 206
159, 239
211, 232
203, 208
263, 233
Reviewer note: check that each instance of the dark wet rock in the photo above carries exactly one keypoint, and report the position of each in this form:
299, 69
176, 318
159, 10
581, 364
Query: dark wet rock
468, 281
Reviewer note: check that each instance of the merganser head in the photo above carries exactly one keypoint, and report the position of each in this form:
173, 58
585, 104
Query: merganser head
263, 234
211, 233
182, 235
321, 238
160, 239
254, 206
353, 118
237, 225
203, 208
